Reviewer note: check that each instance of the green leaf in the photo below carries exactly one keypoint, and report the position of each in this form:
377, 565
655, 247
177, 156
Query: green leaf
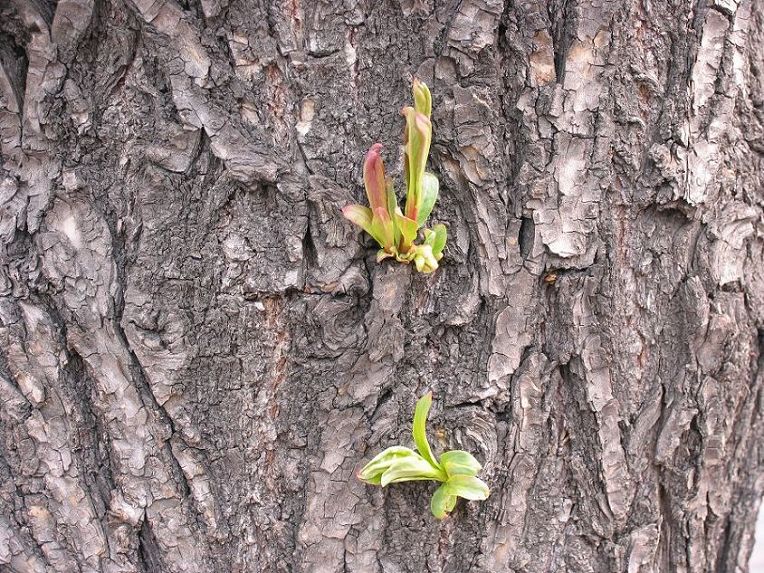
407, 227
459, 462
456, 469
451, 503
422, 97
439, 240
358, 214
392, 209
442, 502
468, 487
411, 468
372, 472
427, 198
416, 148
383, 226
424, 260
362, 217
419, 429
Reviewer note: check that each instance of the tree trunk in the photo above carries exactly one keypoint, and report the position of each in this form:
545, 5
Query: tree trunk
198, 352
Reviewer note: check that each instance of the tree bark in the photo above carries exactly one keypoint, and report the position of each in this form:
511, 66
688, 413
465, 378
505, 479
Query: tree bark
198, 353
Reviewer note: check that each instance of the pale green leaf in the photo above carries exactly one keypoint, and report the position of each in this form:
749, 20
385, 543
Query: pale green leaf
392, 209
442, 502
407, 227
383, 226
424, 260
459, 462
372, 471
417, 147
362, 216
427, 198
411, 468
468, 487
450, 503
439, 240
358, 214
422, 97
419, 429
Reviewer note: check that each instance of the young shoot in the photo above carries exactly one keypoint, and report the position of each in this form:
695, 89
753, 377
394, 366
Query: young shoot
395, 231
456, 470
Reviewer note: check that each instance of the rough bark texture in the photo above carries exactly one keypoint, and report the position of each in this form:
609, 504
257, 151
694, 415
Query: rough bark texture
197, 352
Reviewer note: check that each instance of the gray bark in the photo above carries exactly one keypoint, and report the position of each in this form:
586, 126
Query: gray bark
197, 353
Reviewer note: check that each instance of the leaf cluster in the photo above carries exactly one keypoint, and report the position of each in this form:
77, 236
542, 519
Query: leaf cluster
456, 469
396, 231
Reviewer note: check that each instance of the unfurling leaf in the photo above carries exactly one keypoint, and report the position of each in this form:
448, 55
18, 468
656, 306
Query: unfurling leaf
424, 259
377, 220
422, 97
419, 428
374, 178
418, 137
